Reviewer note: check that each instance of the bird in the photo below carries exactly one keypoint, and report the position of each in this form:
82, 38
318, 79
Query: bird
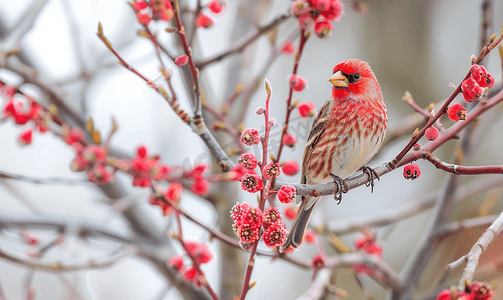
347, 132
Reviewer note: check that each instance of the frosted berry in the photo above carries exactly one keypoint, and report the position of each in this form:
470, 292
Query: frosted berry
248, 161
270, 170
286, 194
250, 137
252, 183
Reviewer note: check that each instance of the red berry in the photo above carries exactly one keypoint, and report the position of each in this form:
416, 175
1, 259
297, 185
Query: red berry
457, 112
318, 261
200, 186
252, 183
270, 216
307, 109
75, 135
323, 29
248, 160
289, 140
142, 151
286, 194
190, 274
288, 48
291, 212
250, 137
290, 167
471, 90
270, 170
216, 6
176, 261
247, 233
306, 21
481, 76
174, 192
297, 83
275, 235
335, 12
310, 237
431, 133
300, 7
139, 5
144, 19
26, 137
204, 21
411, 171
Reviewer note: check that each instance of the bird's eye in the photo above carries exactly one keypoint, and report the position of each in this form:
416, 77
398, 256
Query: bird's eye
352, 78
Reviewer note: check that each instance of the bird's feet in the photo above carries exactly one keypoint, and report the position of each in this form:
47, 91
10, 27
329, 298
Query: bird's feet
372, 174
341, 188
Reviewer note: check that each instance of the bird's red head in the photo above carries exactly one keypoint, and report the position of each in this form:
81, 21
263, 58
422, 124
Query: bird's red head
352, 79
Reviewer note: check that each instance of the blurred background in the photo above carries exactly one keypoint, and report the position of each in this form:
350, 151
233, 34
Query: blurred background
416, 46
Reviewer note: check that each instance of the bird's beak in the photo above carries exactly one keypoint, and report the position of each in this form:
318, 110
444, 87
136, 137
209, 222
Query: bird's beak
339, 80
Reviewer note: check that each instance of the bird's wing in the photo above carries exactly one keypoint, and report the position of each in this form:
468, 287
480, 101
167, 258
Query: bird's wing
319, 126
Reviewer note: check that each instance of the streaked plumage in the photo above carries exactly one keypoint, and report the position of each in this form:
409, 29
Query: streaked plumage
346, 134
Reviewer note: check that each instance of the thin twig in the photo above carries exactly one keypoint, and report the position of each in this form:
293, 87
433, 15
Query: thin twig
483, 53
259, 32
264, 193
35, 180
461, 170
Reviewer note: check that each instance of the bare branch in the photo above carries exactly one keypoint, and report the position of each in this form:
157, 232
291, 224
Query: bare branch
259, 32
479, 248
461, 170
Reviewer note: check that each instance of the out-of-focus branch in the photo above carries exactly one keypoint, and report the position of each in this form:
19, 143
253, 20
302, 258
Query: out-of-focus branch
258, 32
388, 217
23, 24
55, 94
454, 227
10, 176
60, 266
389, 277
62, 225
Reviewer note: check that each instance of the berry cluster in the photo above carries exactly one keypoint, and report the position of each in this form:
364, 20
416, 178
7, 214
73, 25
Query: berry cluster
369, 245
201, 254
307, 109
249, 220
154, 10
318, 13
22, 112
172, 195
473, 87
216, 7
474, 291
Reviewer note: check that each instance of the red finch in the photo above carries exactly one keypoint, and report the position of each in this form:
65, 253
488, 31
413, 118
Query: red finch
347, 132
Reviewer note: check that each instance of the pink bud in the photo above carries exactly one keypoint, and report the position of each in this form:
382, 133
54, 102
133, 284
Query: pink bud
181, 60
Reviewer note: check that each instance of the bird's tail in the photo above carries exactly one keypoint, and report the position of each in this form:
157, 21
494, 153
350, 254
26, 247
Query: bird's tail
299, 224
